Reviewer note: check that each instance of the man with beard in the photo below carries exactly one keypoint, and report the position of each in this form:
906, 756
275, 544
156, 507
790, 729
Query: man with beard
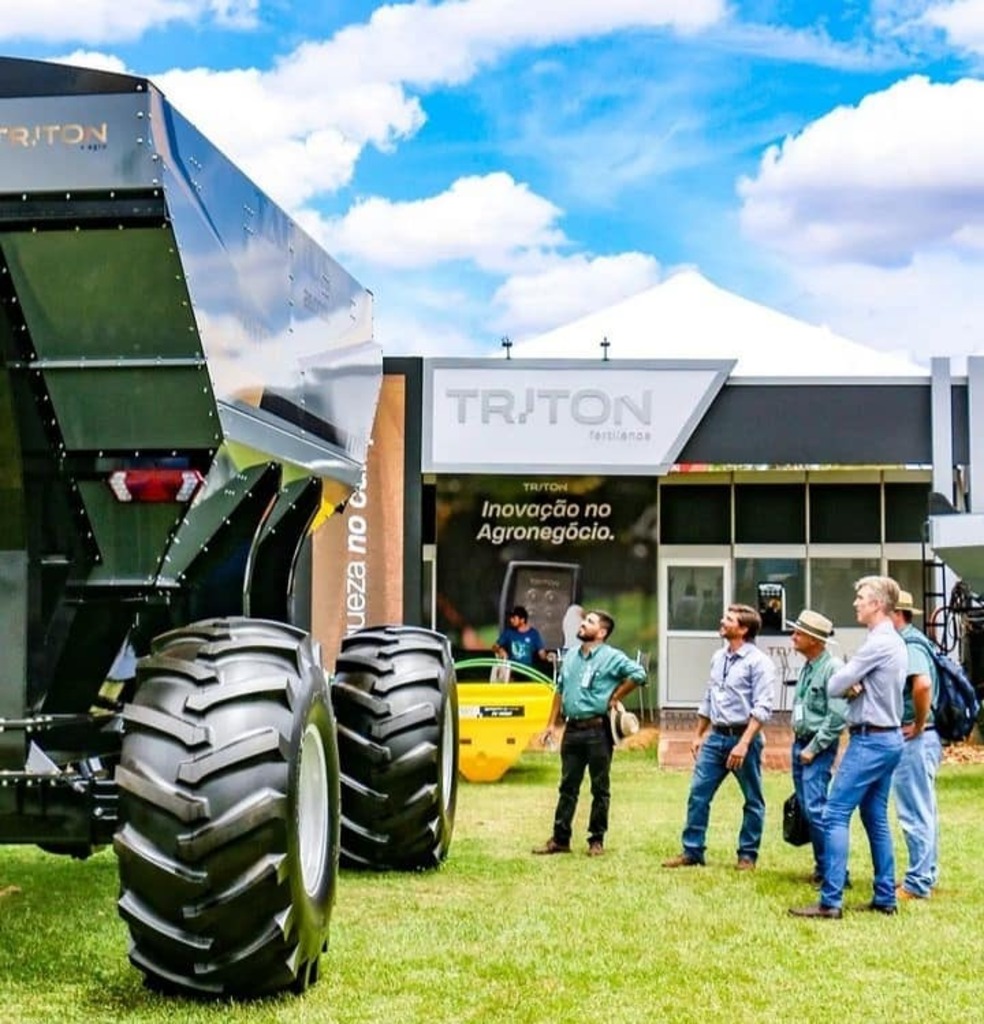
593, 678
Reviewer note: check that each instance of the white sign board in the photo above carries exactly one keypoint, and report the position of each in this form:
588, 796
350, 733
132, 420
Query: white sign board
524, 415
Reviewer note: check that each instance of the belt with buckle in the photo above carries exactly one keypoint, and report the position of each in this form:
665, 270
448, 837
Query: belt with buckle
861, 730
736, 729
586, 723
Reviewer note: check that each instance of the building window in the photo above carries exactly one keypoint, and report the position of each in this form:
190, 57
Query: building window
906, 510
770, 514
790, 573
695, 596
832, 586
908, 573
845, 514
695, 514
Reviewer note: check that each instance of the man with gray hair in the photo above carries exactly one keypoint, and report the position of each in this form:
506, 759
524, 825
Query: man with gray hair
872, 681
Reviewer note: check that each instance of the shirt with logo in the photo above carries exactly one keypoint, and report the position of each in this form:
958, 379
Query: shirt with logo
586, 681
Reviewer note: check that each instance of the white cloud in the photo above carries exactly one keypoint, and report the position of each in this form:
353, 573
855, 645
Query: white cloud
452, 39
570, 288
899, 173
492, 221
932, 306
961, 20
112, 21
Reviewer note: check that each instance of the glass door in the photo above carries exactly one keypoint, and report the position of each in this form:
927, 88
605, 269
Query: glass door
694, 592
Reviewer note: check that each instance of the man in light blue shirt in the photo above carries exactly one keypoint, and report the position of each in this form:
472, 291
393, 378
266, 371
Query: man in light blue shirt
736, 704
872, 682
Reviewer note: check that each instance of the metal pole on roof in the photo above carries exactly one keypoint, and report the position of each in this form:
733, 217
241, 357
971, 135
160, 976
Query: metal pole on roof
507, 345
604, 347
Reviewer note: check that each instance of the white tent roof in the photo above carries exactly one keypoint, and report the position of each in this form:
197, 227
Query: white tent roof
687, 317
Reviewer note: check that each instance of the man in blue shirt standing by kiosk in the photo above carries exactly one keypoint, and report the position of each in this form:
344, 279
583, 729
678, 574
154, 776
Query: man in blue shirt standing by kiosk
519, 641
593, 678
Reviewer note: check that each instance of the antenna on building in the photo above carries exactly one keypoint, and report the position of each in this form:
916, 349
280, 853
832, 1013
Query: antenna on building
507, 345
604, 347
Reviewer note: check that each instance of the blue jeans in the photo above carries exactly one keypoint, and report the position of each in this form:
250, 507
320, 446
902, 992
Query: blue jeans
811, 782
709, 773
864, 782
915, 803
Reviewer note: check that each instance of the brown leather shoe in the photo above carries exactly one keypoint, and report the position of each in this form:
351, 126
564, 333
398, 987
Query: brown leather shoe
901, 893
552, 846
745, 864
817, 910
595, 849
681, 860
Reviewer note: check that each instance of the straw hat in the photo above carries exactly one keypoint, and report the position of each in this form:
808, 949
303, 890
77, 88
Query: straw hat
905, 603
621, 722
813, 624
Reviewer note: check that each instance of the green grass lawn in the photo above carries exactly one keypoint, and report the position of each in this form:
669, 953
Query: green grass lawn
500, 936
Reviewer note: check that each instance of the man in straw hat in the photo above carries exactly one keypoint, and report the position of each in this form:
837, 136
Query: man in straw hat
736, 704
872, 682
915, 778
818, 720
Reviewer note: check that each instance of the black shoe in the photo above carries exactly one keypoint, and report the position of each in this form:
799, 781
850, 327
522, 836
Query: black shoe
881, 908
817, 910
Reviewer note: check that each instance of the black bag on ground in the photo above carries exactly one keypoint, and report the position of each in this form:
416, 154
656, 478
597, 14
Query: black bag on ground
795, 827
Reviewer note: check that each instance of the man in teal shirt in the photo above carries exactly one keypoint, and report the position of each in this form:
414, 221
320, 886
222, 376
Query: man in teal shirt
914, 782
818, 721
593, 677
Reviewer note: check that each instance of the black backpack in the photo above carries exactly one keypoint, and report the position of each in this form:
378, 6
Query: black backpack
956, 707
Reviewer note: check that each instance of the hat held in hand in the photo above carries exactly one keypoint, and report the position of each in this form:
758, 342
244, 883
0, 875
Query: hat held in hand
621, 722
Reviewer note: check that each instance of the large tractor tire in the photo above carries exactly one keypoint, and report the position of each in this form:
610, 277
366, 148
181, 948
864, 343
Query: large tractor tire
230, 811
396, 706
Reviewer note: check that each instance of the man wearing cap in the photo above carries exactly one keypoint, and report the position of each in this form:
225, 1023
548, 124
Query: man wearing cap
519, 641
736, 704
915, 778
593, 679
818, 720
872, 682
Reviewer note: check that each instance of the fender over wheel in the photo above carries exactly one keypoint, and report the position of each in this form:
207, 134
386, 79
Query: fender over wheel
396, 707
229, 809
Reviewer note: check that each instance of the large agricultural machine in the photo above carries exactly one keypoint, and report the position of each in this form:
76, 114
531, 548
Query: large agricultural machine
188, 385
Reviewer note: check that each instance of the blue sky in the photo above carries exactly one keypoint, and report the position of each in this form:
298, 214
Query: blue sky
501, 167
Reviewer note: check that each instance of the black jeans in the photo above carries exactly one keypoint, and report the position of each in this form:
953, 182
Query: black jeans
582, 749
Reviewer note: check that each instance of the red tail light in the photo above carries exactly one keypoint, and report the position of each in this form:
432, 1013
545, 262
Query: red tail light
155, 484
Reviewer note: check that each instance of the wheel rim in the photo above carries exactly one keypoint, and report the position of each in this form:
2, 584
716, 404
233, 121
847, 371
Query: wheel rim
312, 805
447, 758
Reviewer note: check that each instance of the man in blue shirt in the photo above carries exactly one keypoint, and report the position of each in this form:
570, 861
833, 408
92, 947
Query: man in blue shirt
519, 641
736, 704
872, 682
593, 678
915, 778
